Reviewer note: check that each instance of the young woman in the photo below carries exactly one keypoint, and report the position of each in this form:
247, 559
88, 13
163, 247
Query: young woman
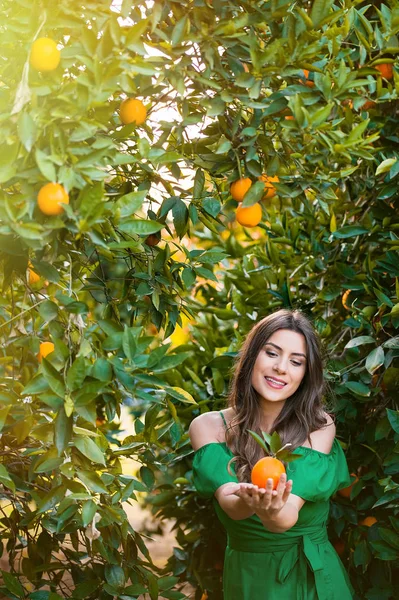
277, 546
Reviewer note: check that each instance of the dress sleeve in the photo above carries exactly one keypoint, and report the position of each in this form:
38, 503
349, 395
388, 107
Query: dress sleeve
210, 469
318, 476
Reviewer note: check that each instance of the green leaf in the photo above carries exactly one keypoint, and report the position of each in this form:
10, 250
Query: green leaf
51, 499
62, 430
3, 415
375, 359
349, 231
48, 310
199, 182
359, 341
385, 165
92, 481
89, 509
393, 416
5, 478
130, 203
362, 555
320, 9
358, 388
13, 584
254, 194
76, 374
89, 448
27, 130
180, 394
36, 385
102, 370
140, 227
389, 536
179, 30
53, 378
259, 440
45, 165
115, 576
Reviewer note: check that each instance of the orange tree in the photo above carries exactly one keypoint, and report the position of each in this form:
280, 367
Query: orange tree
96, 199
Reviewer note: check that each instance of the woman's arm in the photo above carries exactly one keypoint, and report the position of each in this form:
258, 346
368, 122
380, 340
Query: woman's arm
236, 508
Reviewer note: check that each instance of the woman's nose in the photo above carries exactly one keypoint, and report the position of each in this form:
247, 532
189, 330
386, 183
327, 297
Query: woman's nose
280, 366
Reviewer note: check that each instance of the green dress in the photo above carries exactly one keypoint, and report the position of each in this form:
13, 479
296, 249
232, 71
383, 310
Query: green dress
299, 564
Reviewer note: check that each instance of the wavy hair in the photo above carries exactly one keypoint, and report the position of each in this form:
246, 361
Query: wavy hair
299, 417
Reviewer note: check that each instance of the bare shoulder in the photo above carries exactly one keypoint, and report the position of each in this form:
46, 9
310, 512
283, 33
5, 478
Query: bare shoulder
205, 429
323, 439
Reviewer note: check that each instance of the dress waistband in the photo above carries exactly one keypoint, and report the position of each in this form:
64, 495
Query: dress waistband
303, 548
316, 536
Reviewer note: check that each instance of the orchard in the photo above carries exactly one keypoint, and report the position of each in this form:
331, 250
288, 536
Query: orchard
170, 173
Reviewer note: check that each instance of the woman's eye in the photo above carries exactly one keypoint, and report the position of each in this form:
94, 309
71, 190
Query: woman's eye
297, 364
270, 353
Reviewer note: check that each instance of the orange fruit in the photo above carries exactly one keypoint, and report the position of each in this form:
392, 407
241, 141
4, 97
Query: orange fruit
239, 188
368, 521
33, 277
51, 197
368, 104
44, 55
307, 81
344, 299
132, 110
270, 190
290, 118
204, 596
346, 492
249, 216
386, 70
267, 468
45, 349
152, 240
339, 546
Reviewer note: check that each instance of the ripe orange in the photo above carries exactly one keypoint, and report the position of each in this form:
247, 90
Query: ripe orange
368, 521
51, 197
204, 596
44, 55
239, 188
267, 468
270, 190
290, 118
132, 110
344, 299
346, 492
33, 277
368, 104
339, 546
386, 70
249, 216
152, 240
307, 81
45, 349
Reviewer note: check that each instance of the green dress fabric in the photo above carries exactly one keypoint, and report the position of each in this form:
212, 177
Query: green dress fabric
299, 564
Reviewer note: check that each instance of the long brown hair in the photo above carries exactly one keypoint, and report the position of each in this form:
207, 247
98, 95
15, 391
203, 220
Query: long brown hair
299, 417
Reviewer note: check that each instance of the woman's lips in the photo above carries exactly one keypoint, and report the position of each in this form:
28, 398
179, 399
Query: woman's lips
273, 383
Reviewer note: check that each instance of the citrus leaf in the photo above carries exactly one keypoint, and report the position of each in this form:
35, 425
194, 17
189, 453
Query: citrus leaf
89, 448
259, 440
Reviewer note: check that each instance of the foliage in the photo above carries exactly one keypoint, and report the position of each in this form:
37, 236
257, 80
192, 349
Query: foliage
218, 80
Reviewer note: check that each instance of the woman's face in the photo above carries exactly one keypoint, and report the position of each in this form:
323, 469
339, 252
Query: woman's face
280, 365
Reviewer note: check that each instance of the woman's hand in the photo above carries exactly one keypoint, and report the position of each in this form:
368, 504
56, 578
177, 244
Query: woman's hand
266, 503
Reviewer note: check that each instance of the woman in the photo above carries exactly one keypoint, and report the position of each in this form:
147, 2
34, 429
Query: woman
277, 544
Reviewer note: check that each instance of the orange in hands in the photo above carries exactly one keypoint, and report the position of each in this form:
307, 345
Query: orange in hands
267, 468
